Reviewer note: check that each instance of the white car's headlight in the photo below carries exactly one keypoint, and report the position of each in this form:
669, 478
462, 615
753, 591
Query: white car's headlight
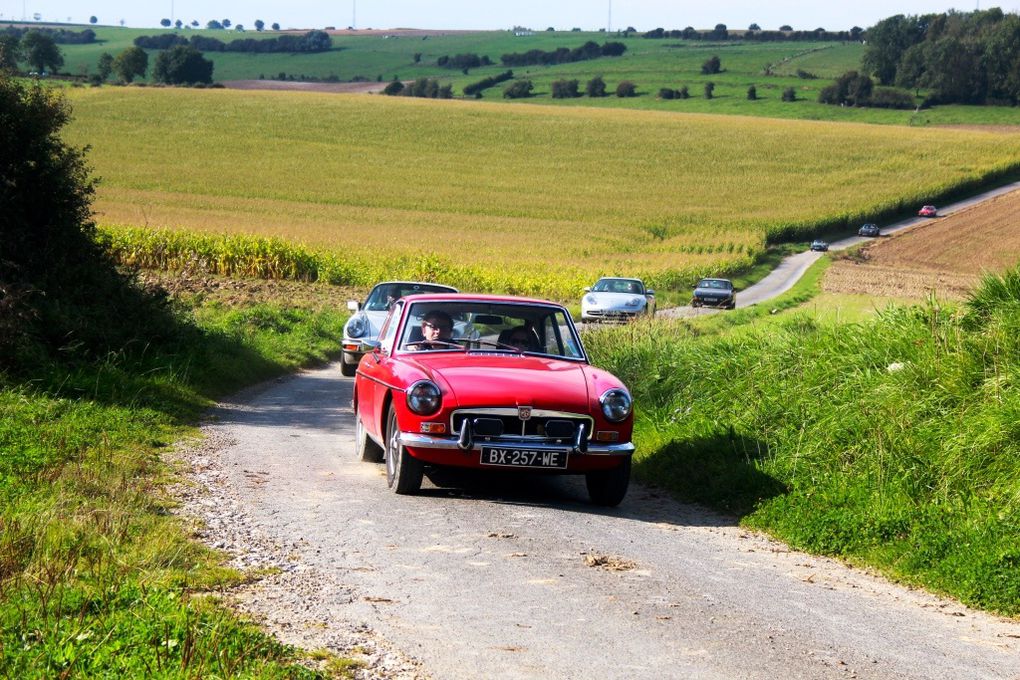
616, 404
634, 302
424, 397
356, 326
591, 299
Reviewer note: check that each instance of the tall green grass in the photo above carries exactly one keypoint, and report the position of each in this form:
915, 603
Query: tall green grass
893, 443
97, 578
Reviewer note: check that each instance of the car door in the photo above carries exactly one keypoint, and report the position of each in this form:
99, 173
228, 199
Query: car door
378, 373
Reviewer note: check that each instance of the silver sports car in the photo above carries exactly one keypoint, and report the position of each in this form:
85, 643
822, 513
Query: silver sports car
367, 318
617, 299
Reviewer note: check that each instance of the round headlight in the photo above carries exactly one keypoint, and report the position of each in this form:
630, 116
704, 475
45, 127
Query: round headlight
356, 327
424, 397
616, 405
590, 299
634, 302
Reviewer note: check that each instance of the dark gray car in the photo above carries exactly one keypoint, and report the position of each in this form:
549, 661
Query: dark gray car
715, 292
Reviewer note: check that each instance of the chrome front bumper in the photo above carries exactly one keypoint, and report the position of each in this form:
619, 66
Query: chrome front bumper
424, 441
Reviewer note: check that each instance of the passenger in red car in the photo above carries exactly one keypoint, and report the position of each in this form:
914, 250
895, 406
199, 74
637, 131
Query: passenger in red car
436, 331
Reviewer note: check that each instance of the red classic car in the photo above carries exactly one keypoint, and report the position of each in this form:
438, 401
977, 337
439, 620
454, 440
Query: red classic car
481, 381
928, 211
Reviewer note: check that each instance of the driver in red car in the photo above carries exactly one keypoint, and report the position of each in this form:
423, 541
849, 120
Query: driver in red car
436, 331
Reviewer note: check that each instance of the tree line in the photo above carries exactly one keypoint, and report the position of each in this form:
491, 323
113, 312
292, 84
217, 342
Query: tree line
312, 41
785, 33
61, 36
960, 57
564, 55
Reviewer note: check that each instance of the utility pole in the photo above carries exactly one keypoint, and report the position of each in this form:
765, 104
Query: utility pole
609, 24
171, 12
354, 14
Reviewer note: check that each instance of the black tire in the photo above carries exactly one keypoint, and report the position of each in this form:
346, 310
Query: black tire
403, 472
346, 368
608, 487
732, 305
364, 446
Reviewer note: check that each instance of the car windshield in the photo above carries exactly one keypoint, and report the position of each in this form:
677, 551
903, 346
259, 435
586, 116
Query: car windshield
717, 284
483, 326
385, 294
619, 286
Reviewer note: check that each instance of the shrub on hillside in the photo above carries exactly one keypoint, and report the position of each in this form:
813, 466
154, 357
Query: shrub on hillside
667, 93
181, 65
626, 89
709, 90
518, 89
393, 88
789, 95
565, 89
475, 89
713, 65
752, 93
596, 87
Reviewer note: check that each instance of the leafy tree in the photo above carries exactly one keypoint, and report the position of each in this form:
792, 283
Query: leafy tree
709, 89
178, 24
518, 89
194, 23
165, 23
239, 28
626, 89
214, 25
132, 62
393, 88
720, 32
276, 26
105, 66
182, 64
888, 40
226, 23
59, 290
41, 51
667, 93
752, 93
789, 95
596, 87
713, 65
683, 93
93, 19
417, 57
259, 25
10, 48
786, 27
754, 27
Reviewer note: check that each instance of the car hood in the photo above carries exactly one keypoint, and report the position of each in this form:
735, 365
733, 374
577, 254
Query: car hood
494, 379
713, 292
614, 300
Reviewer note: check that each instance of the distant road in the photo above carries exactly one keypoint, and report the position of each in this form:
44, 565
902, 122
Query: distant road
789, 271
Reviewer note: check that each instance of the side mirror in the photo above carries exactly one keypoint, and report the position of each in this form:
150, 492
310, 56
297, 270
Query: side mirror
649, 292
354, 306
369, 346
587, 289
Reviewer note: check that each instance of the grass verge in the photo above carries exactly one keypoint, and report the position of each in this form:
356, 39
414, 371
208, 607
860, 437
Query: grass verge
892, 442
97, 577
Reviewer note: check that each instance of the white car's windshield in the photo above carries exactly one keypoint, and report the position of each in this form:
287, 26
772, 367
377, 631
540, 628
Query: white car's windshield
618, 286
716, 284
385, 294
482, 326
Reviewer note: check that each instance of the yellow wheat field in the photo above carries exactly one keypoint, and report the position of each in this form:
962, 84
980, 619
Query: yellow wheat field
520, 190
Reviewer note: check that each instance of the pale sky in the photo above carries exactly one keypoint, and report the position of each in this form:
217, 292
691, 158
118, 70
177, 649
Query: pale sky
460, 14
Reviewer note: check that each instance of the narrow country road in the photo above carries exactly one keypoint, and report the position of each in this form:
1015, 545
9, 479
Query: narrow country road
789, 271
519, 577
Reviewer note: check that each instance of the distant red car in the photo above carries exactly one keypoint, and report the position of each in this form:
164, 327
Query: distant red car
927, 211
489, 382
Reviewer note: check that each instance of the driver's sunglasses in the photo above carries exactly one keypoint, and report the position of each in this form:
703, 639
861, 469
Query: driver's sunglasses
426, 324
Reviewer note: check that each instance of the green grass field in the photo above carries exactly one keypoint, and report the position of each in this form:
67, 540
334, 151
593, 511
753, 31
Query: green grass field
565, 194
651, 64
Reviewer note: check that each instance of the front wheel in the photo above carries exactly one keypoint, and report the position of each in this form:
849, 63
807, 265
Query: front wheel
364, 446
347, 369
608, 487
403, 471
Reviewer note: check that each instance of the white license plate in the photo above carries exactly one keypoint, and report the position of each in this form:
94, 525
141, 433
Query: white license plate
527, 458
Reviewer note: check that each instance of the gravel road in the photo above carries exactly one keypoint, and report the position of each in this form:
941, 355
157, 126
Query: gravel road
519, 577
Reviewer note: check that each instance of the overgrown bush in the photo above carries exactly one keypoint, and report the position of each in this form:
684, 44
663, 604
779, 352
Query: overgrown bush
182, 64
475, 89
626, 89
518, 89
789, 95
891, 98
667, 93
712, 65
596, 87
565, 89
393, 88
752, 93
709, 89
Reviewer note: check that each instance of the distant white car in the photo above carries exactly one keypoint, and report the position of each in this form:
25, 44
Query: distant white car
617, 299
363, 326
